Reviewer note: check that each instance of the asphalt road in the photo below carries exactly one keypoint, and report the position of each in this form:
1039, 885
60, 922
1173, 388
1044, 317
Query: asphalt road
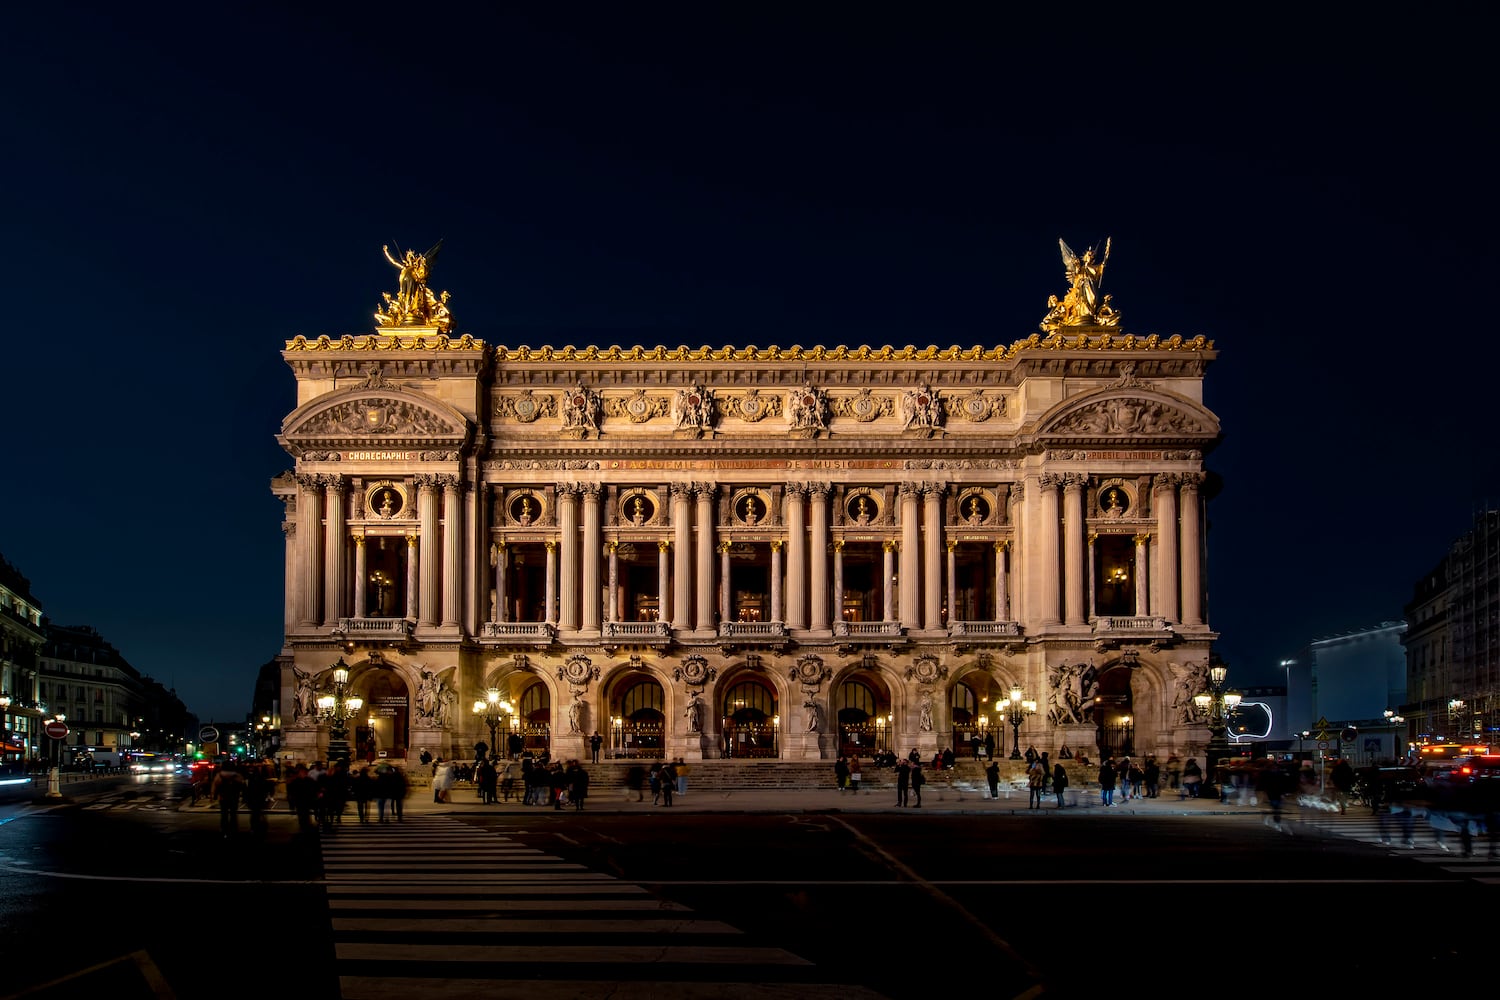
130, 892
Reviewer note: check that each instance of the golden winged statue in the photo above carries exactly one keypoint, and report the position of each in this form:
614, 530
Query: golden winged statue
1081, 305
414, 304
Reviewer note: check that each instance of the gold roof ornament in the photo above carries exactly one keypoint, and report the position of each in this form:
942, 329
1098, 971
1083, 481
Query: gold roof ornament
414, 304
1081, 305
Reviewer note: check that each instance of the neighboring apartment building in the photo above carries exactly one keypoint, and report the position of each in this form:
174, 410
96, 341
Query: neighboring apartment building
1453, 647
21, 639
108, 704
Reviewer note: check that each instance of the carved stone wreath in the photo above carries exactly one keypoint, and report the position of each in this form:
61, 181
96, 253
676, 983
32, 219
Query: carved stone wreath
810, 672
752, 406
578, 670
637, 407
864, 407
695, 672
926, 670
526, 406
976, 407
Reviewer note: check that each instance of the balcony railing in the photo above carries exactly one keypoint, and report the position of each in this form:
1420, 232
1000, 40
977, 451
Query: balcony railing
375, 628
752, 630
1129, 624
867, 630
519, 631
984, 629
637, 631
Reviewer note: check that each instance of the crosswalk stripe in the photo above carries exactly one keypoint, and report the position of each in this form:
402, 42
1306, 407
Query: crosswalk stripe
397, 916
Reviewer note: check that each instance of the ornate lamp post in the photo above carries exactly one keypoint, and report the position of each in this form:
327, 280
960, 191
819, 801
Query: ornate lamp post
1398, 731
337, 708
1220, 707
492, 710
1014, 710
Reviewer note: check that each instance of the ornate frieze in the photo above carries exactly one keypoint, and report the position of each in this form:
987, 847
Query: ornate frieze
526, 406
975, 406
806, 411
375, 415
581, 407
1129, 415
751, 406
864, 406
638, 407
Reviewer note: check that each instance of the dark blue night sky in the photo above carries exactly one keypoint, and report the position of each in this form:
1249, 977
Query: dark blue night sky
187, 187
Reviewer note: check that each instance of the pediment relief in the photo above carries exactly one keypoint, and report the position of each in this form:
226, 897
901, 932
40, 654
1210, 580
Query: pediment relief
366, 416
1130, 412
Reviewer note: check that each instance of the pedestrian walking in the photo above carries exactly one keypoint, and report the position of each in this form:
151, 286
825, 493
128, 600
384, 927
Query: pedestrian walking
992, 775
227, 789
1059, 782
668, 782
840, 774
578, 785
1036, 780
635, 780
655, 782
1107, 782
364, 790
595, 742
903, 780
917, 781
854, 774
1151, 775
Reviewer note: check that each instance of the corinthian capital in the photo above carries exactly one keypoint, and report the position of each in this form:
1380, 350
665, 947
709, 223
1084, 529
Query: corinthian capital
1073, 481
1050, 480
934, 490
797, 490
1191, 480
1163, 482
309, 482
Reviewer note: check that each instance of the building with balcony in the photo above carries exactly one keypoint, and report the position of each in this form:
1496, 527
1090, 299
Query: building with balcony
21, 638
797, 553
1453, 642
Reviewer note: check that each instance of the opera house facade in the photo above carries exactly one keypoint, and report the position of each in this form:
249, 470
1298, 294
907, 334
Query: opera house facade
790, 553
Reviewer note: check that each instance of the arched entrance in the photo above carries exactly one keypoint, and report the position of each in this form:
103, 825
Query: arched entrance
383, 728
1114, 720
638, 718
973, 727
534, 718
751, 721
862, 707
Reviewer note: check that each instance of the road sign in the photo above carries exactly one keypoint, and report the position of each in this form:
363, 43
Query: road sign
208, 734
1322, 744
56, 730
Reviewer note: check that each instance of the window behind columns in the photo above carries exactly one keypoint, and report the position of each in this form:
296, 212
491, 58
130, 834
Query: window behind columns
1114, 575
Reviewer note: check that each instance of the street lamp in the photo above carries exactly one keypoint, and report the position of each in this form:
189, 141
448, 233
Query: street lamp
1398, 725
491, 710
5, 721
1014, 710
1220, 707
337, 708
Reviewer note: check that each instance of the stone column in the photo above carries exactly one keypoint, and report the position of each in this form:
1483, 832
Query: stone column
567, 558
549, 605
473, 574
663, 581
911, 534
1075, 585
1164, 491
614, 580
360, 610
413, 575
838, 580
952, 546
593, 553
453, 551
1046, 549
1002, 584
310, 548
704, 605
682, 554
1092, 552
335, 550
932, 555
888, 596
1142, 578
776, 612
1192, 551
502, 570
796, 556
427, 518
817, 553
1016, 557
291, 599
724, 547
